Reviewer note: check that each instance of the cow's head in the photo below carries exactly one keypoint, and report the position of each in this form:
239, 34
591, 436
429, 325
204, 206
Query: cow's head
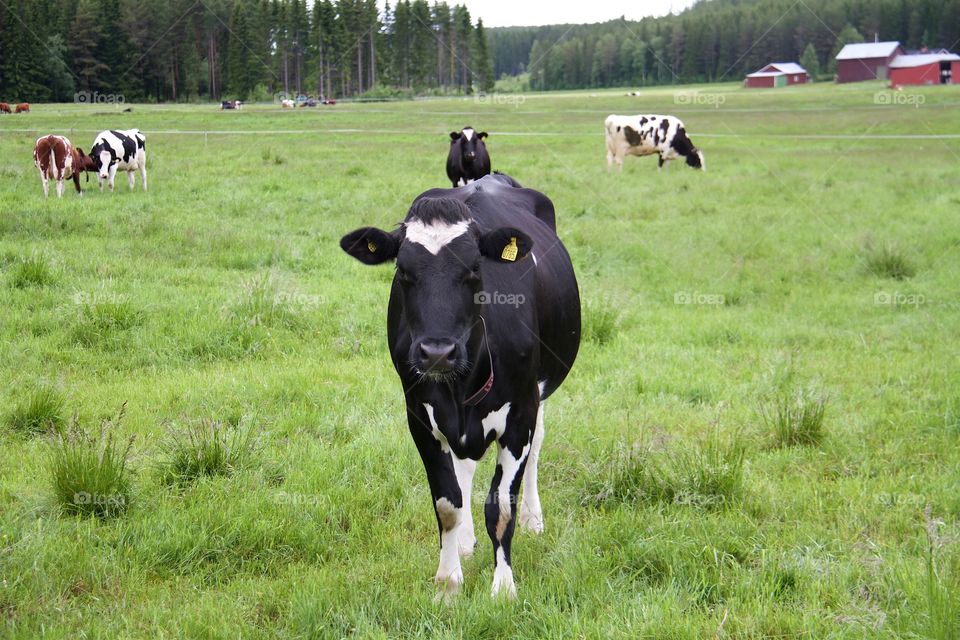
440, 253
102, 157
469, 143
86, 162
695, 159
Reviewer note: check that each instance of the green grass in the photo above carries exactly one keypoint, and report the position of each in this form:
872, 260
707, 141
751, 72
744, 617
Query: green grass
38, 410
795, 418
221, 297
89, 474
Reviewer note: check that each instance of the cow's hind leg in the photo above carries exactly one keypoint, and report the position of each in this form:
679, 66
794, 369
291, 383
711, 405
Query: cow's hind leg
45, 181
531, 514
143, 175
501, 507
131, 180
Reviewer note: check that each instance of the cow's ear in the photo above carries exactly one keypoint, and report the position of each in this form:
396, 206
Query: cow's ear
505, 244
370, 245
454, 135
482, 135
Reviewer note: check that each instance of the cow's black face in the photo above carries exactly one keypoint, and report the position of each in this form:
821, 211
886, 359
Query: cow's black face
470, 143
440, 259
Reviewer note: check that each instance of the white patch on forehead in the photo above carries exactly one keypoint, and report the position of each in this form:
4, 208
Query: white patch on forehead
436, 236
468, 133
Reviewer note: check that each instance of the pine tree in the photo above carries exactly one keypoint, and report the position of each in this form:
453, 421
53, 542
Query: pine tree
484, 64
809, 61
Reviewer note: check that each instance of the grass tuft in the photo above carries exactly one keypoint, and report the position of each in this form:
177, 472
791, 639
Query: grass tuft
101, 316
89, 474
795, 419
709, 475
206, 449
31, 271
39, 410
601, 321
888, 262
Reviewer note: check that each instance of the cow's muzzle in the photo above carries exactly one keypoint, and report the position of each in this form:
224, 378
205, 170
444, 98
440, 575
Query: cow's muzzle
469, 157
437, 357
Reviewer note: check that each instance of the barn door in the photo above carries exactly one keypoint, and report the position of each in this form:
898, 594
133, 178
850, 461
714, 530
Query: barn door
780, 81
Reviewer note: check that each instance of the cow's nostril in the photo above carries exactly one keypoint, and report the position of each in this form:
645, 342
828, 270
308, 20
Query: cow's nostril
437, 356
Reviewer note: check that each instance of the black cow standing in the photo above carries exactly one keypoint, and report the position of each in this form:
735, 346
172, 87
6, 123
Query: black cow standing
483, 325
468, 159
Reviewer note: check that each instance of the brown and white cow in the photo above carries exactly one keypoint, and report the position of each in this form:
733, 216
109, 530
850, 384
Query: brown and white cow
57, 159
23, 107
5, 108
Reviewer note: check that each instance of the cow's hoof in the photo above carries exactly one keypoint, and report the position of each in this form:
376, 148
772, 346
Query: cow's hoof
531, 520
448, 586
503, 586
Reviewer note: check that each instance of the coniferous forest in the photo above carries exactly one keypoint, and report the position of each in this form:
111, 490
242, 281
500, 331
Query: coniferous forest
184, 50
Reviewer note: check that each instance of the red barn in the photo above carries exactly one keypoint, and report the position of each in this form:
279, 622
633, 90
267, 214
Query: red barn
866, 61
777, 74
925, 68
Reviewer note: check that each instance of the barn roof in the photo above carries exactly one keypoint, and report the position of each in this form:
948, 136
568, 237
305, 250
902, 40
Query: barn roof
921, 59
777, 69
868, 50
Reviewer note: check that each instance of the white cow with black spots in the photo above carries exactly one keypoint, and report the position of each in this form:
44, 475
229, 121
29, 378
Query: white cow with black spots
120, 151
647, 135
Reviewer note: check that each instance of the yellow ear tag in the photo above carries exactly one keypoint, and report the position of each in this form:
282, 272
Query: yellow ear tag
510, 251
371, 246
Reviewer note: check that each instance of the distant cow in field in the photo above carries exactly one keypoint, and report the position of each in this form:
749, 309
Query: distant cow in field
468, 159
646, 135
23, 107
288, 104
5, 108
120, 150
483, 325
58, 160
230, 104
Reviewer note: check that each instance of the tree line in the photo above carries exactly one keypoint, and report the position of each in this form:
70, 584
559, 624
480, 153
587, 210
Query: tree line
716, 40
162, 50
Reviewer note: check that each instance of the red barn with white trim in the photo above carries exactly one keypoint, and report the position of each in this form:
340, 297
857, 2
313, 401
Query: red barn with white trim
866, 61
925, 69
777, 74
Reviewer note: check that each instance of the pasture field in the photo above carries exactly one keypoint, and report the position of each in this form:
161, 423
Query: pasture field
759, 439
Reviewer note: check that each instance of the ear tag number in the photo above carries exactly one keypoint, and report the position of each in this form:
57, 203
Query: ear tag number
510, 251
371, 246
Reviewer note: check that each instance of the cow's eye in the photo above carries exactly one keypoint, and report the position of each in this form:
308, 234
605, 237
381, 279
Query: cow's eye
405, 277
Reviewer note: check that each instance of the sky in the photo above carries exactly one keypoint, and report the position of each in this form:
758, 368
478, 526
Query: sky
509, 13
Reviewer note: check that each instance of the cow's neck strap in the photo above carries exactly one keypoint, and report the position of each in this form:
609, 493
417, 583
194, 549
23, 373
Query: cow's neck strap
485, 389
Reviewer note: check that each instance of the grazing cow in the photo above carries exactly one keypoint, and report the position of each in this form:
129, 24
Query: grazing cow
468, 159
57, 159
288, 104
23, 107
120, 150
230, 104
4, 107
646, 135
483, 324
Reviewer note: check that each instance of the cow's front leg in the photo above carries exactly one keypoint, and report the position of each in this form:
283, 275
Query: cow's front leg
467, 538
501, 505
112, 176
448, 501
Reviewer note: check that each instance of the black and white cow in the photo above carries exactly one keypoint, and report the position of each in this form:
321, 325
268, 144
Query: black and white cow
119, 150
645, 135
483, 324
468, 159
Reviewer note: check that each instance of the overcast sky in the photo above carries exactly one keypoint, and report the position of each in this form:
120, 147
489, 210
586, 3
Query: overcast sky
509, 13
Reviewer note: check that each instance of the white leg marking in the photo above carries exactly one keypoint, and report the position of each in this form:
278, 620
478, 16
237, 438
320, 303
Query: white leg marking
465, 469
509, 467
442, 439
60, 186
531, 514
503, 577
143, 175
130, 179
46, 184
449, 573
